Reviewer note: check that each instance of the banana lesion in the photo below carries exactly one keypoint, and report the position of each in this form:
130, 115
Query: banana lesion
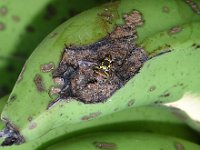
92, 73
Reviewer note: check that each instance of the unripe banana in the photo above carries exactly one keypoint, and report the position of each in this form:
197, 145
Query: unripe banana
154, 77
125, 141
159, 120
21, 30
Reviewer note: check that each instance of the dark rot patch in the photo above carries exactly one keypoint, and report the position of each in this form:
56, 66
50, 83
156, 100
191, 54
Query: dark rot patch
50, 12
2, 26
194, 6
39, 83
92, 73
3, 10
47, 67
91, 116
15, 18
165, 9
130, 103
175, 30
105, 145
179, 146
11, 134
30, 29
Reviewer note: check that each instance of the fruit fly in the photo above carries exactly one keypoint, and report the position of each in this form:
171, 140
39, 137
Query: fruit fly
104, 68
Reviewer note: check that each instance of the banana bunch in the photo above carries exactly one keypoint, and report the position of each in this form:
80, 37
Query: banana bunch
154, 123
21, 30
100, 66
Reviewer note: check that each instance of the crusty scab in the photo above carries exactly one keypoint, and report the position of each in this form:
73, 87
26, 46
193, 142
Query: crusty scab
92, 73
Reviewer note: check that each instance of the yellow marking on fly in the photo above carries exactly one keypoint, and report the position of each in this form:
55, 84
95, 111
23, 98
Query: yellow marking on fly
104, 68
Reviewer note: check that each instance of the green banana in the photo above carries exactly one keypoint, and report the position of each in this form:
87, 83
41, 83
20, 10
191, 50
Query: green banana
125, 141
159, 120
22, 30
29, 115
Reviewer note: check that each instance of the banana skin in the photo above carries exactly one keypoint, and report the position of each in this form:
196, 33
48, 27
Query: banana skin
28, 113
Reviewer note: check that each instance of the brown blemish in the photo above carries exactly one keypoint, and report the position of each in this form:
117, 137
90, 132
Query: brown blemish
39, 83
194, 6
152, 88
15, 18
47, 67
165, 9
92, 73
179, 146
21, 74
59, 81
30, 119
3, 11
165, 95
108, 15
91, 116
134, 19
54, 90
2, 26
30, 29
50, 12
32, 125
130, 103
175, 30
105, 145
158, 102
178, 84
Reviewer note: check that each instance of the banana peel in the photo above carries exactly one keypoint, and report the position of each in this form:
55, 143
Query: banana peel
21, 30
124, 140
155, 120
28, 112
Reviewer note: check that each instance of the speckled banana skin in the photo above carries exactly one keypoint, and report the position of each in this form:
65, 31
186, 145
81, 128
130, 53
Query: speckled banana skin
168, 35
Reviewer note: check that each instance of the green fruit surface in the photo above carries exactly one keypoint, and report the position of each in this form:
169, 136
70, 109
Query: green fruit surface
125, 141
165, 72
23, 24
158, 120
